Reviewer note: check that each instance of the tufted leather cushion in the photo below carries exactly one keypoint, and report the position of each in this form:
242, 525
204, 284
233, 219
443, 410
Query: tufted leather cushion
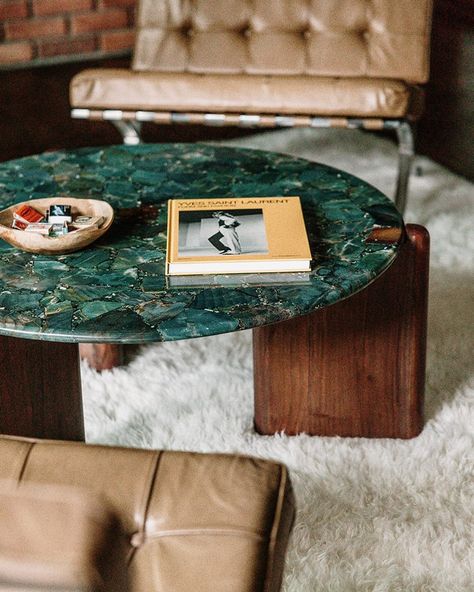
356, 38
192, 521
58, 538
127, 90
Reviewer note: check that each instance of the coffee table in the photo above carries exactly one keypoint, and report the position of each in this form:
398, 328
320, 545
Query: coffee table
342, 354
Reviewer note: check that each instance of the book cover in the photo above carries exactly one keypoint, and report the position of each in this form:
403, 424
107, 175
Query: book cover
236, 235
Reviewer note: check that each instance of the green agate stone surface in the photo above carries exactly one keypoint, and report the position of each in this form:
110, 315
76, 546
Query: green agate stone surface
116, 290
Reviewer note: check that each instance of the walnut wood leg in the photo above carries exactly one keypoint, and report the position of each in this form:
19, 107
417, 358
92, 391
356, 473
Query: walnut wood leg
102, 356
40, 389
356, 368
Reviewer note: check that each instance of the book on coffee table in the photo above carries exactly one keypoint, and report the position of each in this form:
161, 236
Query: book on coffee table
237, 280
236, 235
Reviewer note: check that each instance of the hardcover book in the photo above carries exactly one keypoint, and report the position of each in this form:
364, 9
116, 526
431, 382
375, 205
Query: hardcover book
236, 235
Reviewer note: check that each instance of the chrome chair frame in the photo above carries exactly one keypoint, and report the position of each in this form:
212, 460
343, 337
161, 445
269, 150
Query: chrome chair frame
129, 125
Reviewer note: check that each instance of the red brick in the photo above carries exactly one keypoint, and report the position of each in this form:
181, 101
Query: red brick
35, 28
15, 52
131, 17
67, 47
110, 19
13, 9
115, 40
119, 3
47, 7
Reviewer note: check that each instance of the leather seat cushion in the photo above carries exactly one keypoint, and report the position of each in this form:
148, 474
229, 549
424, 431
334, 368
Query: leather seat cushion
58, 538
219, 93
192, 521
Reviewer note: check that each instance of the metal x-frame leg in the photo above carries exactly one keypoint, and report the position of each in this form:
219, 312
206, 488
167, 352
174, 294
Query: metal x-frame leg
129, 130
406, 152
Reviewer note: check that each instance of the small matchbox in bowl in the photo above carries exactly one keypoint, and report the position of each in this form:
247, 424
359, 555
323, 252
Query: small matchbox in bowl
55, 225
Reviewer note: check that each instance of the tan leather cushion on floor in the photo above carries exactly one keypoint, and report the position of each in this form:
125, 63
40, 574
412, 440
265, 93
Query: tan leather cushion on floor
195, 522
58, 538
150, 91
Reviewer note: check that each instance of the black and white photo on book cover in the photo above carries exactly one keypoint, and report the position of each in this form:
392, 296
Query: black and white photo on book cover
220, 232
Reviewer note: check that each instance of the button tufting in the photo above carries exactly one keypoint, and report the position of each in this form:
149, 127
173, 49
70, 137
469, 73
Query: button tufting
307, 34
187, 31
137, 539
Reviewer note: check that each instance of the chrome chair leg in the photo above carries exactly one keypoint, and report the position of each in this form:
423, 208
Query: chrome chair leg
129, 130
406, 151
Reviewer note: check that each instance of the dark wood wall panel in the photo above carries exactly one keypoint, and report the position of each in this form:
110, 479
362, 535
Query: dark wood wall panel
35, 114
446, 131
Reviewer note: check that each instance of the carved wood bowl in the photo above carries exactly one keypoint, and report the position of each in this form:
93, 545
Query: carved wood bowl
73, 241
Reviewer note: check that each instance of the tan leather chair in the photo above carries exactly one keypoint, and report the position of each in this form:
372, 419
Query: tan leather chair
276, 63
185, 521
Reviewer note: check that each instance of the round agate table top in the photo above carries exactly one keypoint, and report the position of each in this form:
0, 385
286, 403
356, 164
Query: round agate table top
116, 290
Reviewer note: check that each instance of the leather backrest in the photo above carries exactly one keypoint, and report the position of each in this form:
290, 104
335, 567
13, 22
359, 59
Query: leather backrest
191, 521
363, 38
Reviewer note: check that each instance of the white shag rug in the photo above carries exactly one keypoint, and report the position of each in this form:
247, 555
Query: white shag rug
373, 515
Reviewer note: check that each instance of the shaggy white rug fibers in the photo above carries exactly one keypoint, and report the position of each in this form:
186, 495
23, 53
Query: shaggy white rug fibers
373, 515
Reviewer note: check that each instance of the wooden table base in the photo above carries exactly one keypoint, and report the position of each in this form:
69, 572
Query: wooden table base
356, 368
40, 389
353, 369
102, 356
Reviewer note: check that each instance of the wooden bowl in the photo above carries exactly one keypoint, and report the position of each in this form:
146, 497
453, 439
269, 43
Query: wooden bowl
45, 245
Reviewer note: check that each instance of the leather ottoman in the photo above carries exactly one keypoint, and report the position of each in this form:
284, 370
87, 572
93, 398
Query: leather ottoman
185, 521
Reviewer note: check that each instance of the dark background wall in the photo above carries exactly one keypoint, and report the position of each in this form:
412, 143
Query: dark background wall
446, 132
34, 106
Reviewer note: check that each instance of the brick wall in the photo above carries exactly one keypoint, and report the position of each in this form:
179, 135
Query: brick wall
43, 31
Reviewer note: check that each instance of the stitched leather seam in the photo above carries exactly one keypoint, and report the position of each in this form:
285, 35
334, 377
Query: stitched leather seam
367, 64
140, 534
25, 461
204, 532
426, 35
275, 527
152, 479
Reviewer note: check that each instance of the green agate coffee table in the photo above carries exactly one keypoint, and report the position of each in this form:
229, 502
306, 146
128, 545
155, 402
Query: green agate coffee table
342, 354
